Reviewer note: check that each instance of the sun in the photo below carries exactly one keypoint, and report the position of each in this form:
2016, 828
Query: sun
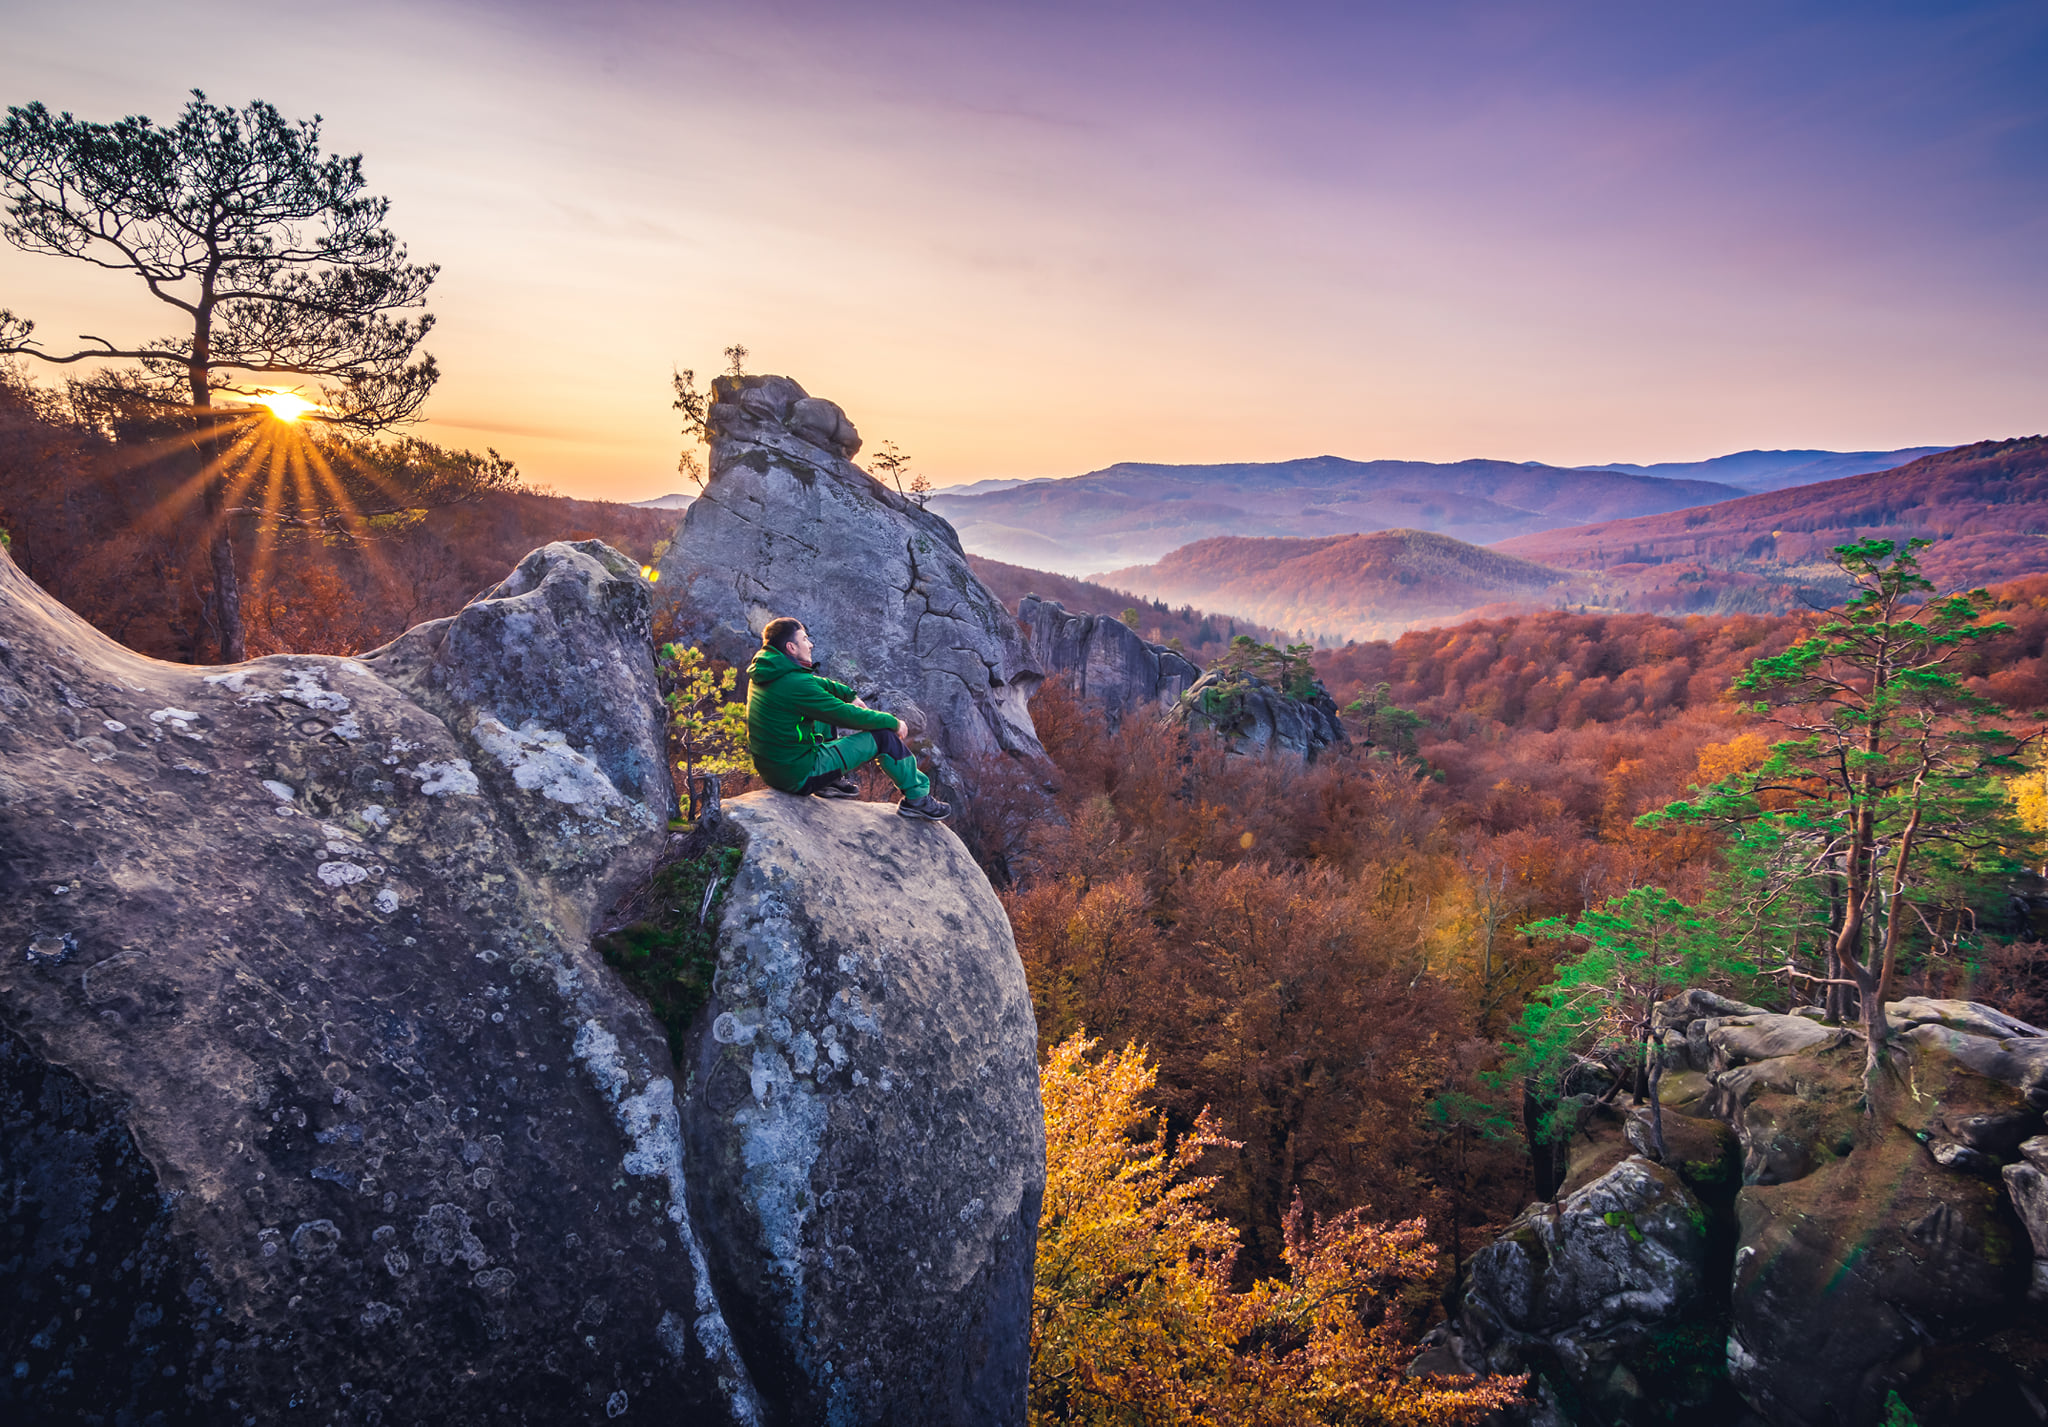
286, 405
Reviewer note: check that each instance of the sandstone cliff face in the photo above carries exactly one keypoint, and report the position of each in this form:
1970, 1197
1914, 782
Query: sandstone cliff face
315, 1103
789, 525
1108, 664
1849, 1266
864, 1125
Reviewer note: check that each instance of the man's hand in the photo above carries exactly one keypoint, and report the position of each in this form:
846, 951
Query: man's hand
902, 729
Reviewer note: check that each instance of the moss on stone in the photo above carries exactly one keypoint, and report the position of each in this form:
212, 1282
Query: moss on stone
1682, 1365
668, 957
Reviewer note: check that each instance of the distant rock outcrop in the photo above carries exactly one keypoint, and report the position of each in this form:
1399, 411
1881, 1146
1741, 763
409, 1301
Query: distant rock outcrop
866, 1144
1257, 718
316, 1104
1105, 659
788, 525
1851, 1263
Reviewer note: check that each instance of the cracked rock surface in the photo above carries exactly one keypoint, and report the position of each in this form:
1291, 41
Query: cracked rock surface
788, 525
314, 1103
866, 1143
1836, 1258
1107, 662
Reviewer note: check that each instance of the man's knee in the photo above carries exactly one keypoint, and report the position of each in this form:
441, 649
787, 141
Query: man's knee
889, 745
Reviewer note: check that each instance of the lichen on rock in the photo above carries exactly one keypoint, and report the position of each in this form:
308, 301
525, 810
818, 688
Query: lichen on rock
317, 1101
320, 957
867, 1144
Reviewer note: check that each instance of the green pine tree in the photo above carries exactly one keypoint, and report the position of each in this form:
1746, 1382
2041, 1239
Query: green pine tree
1872, 822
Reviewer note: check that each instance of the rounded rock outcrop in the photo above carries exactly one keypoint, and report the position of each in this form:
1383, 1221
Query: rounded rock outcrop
317, 1104
866, 1144
314, 1091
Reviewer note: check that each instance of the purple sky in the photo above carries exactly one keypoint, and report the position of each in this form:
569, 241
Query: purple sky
1037, 239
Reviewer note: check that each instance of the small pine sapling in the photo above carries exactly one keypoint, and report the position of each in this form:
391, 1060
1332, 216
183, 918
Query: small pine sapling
1640, 947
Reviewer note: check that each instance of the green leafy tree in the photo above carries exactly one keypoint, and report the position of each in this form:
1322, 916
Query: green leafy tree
1884, 803
707, 729
1639, 948
274, 258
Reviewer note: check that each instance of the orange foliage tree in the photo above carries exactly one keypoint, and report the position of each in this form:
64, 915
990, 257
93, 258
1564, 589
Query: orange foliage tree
1134, 1316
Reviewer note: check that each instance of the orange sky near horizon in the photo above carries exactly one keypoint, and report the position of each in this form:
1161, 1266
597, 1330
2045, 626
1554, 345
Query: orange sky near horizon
1037, 244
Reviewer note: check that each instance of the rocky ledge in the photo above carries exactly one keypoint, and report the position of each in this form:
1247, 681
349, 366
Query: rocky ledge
315, 1103
1787, 1259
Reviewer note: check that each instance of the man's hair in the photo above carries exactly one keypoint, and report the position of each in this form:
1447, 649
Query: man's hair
779, 632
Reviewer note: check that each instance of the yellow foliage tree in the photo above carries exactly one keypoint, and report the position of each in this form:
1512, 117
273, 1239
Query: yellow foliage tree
2029, 795
1135, 1322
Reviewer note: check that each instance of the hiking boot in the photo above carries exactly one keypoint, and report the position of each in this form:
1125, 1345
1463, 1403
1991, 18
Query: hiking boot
928, 807
840, 787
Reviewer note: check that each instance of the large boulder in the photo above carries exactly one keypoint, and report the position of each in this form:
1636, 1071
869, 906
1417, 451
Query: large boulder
788, 525
1846, 1279
1106, 661
1598, 1291
1875, 1254
867, 1148
311, 1075
316, 1103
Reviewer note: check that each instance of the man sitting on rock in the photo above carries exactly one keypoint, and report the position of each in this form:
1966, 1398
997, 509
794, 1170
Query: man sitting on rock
787, 701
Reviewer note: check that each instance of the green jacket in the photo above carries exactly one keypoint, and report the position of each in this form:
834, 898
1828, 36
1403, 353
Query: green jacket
786, 703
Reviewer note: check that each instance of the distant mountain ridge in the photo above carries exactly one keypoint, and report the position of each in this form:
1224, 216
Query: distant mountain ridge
1135, 511
1985, 506
1775, 470
1202, 634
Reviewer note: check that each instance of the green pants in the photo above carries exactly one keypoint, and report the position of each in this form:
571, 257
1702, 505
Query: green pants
843, 755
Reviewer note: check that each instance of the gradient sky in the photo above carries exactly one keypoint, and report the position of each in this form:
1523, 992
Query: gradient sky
1035, 239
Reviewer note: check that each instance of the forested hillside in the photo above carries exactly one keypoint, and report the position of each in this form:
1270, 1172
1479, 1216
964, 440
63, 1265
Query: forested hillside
1985, 506
1331, 956
99, 510
1349, 586
1201, 634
